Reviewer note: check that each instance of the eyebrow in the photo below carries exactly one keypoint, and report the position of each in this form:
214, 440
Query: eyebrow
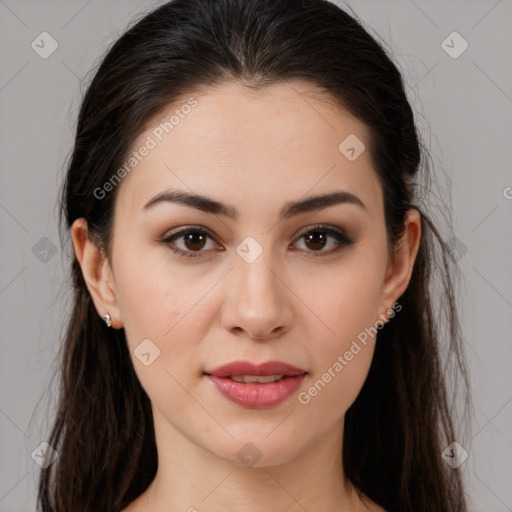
290, 209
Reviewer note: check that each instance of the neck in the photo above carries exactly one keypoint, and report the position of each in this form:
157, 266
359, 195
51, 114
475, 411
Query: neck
191, 478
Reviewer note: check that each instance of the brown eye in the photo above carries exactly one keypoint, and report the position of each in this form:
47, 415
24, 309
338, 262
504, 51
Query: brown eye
193, 242
317, 238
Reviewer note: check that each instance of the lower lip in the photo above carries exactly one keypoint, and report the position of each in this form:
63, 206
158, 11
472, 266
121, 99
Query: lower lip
258, 396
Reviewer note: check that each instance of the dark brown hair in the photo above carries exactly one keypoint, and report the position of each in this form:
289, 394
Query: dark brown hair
402, 420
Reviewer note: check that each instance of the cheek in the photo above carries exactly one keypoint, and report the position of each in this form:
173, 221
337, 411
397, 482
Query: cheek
158, 314
344, 351
347, 303
342, 360
162, 305
152, 295
332, 391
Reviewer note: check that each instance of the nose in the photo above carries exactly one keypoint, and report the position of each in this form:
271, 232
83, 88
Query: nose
257, 299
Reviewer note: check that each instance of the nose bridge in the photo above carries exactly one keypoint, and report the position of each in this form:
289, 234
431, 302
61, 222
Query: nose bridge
259, 297
254, 270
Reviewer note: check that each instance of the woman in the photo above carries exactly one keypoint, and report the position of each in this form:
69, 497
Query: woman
253, 326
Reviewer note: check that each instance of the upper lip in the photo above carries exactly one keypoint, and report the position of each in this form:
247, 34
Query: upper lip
248, 368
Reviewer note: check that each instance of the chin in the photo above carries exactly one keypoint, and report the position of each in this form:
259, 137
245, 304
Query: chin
256, 449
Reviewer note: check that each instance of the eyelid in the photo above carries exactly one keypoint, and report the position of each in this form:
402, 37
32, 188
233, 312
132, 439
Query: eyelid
327, 228
192, 227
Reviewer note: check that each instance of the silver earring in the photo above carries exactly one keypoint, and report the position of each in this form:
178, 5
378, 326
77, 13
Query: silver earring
107, 319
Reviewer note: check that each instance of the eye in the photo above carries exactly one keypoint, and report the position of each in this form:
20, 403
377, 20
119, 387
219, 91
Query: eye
316, 238
194, 240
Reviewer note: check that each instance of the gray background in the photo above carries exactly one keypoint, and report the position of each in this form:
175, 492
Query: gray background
464, 108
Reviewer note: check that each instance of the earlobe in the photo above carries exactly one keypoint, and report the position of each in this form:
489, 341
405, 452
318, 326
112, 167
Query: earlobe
96, 272
400, 270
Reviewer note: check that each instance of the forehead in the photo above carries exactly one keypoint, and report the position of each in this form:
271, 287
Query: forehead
251, 148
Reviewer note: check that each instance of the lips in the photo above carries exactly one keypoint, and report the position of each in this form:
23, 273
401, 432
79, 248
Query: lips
257, 386
245, 368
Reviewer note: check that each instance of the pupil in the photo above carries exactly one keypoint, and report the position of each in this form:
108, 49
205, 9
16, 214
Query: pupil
318, 240
191, 240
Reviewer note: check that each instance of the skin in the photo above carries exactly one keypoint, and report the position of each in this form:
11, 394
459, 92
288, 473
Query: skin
254, 151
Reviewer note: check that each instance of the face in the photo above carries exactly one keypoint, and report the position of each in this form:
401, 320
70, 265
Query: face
256, 281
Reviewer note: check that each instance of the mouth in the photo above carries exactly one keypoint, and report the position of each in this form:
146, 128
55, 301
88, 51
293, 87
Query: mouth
263, 373
257, 386
256, 379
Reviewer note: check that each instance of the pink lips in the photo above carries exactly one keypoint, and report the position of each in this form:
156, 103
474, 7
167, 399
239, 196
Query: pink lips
257, 395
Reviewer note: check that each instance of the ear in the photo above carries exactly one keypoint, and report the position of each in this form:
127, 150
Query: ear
96, 271
400, 270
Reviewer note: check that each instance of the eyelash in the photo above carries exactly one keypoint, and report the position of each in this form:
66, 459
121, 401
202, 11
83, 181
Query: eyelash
341, 238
